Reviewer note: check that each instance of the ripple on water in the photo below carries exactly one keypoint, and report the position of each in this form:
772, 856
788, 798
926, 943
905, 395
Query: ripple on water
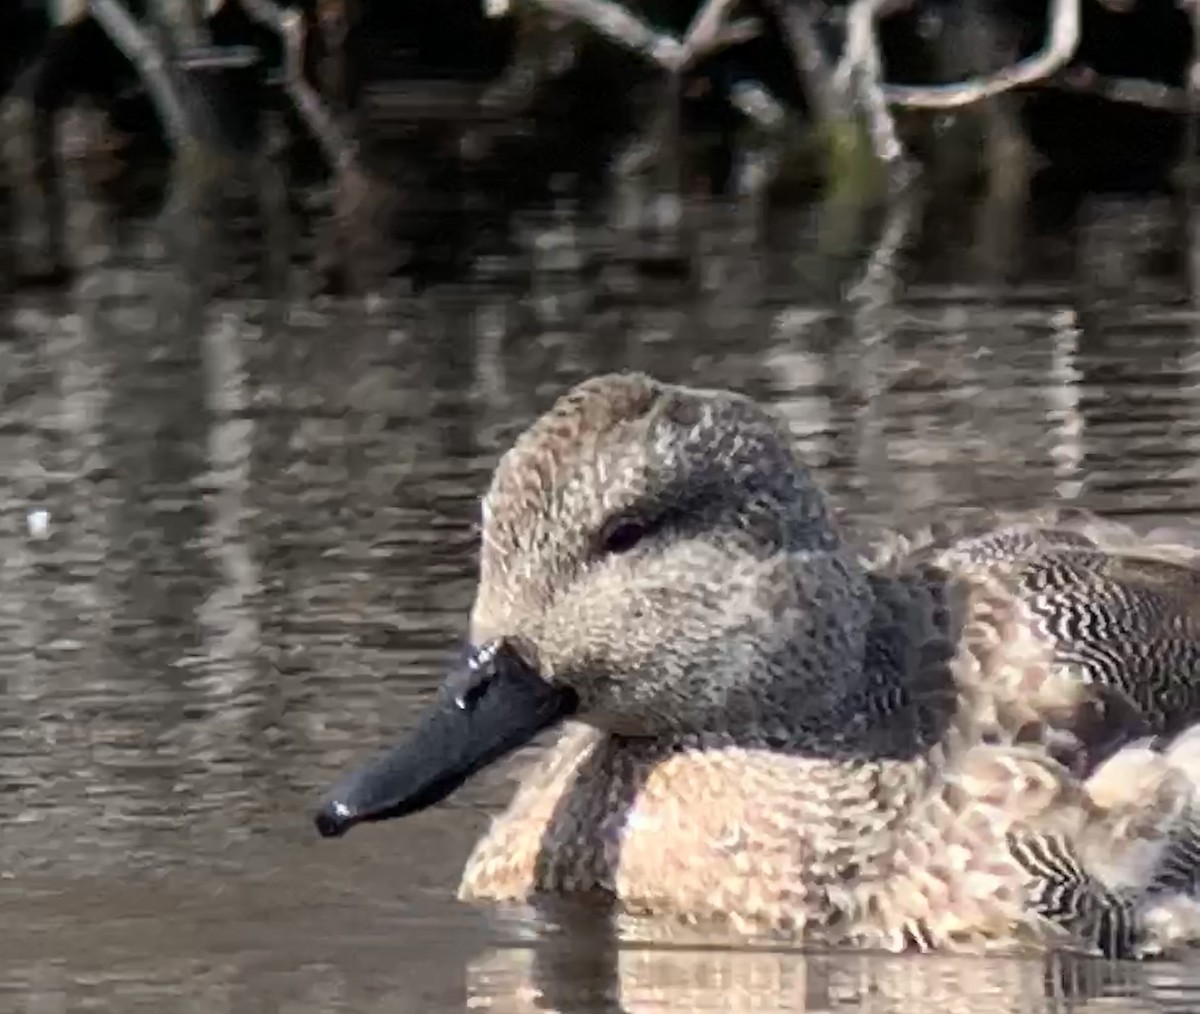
260, 553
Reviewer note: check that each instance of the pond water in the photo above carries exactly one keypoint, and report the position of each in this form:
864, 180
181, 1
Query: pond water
237, 546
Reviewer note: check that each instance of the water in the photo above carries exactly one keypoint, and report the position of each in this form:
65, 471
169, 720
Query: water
237, 546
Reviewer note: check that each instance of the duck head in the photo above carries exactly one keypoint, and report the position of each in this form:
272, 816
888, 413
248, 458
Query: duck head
656, 562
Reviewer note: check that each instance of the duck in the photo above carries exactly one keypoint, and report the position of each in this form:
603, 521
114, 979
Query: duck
975, 738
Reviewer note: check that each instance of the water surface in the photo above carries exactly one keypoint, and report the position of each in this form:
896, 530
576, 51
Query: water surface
258, 545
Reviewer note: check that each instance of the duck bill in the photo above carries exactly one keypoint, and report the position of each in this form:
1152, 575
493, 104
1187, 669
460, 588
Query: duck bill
493, 703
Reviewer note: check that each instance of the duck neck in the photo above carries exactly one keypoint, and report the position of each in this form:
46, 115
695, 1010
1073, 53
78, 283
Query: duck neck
899, 694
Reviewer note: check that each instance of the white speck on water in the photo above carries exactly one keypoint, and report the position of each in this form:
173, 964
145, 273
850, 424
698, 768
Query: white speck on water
38, 523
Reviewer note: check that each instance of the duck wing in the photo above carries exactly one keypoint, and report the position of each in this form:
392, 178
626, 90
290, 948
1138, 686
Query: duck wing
1122, 614
1119, 611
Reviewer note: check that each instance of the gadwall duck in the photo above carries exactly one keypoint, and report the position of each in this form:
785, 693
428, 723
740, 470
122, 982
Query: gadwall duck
973, 742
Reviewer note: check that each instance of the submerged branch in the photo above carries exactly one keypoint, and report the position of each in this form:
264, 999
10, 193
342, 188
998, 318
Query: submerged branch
141, 50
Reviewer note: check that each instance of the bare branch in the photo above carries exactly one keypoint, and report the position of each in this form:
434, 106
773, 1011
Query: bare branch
816, 75
539, 57
754, 102
1061, 43
709, 32
339, 150
712, 31
1131, 90
141, 50
538, 60
862, 65
627, 30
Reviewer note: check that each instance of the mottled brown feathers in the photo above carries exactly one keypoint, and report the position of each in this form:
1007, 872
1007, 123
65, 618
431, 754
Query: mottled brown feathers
569, 431
913, 743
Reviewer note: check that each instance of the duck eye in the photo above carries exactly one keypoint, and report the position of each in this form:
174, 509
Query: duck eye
621, 534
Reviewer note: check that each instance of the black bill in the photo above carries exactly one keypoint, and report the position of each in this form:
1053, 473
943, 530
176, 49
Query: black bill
492, 704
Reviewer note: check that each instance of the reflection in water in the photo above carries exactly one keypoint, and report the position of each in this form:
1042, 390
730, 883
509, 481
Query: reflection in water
259, 553
570, 976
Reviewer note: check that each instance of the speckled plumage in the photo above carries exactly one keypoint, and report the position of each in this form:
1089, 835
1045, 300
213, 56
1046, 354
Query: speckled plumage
913, 746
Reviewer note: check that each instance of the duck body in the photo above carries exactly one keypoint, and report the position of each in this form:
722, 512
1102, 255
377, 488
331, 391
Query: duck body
972, 741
